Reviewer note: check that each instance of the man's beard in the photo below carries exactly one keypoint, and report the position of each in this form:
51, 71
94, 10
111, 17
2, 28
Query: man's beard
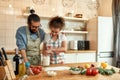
31, 31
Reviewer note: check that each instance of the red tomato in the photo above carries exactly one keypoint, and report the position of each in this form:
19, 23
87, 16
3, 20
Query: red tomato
39, 67
37, 71
34, 69
89, 71
94, 71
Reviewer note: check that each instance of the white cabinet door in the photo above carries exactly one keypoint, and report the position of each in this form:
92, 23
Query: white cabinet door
70, 58
86, 57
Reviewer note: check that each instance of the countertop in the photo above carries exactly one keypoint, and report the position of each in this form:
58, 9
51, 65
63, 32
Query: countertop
81, 51
65, 74
10, 52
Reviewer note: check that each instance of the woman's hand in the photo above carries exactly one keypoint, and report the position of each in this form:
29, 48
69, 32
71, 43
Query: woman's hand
54, 50
57, 53
47, 52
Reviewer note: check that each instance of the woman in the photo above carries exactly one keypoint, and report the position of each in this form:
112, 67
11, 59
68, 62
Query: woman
55, 42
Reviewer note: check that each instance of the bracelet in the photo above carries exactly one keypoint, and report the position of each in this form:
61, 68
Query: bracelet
27, 64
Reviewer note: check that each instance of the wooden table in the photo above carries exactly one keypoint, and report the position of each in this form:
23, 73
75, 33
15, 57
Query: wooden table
65, 75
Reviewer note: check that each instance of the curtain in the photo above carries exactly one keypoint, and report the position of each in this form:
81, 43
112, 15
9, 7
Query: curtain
116, 26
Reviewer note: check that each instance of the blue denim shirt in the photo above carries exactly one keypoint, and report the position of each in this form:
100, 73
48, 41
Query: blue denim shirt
21, 37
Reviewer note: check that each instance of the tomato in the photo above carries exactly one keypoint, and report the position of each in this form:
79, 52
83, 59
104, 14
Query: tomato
89, 71
95, 71
36, 71
39, 67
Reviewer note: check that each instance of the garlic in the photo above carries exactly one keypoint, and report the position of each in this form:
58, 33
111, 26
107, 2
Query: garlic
51, 73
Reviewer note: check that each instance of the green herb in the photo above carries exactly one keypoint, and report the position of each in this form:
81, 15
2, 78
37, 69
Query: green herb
106, 71
113, 70
74, 69
83, 71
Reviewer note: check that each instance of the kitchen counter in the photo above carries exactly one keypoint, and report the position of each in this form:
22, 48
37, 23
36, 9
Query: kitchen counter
65, 74
10, 52
81, 51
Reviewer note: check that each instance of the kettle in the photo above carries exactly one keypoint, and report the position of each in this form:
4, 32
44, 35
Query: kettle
73, 45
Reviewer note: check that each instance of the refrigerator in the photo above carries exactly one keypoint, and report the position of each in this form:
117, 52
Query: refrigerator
100, 34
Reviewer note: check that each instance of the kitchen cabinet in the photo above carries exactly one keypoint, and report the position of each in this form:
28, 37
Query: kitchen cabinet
80, 57
70, 58
86, 57
106, 57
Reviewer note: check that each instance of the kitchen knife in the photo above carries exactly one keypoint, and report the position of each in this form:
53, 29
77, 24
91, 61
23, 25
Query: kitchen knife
1, 54
4, 53
2, 61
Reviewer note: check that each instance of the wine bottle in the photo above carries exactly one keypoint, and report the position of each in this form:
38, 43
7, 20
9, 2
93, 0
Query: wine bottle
16, 62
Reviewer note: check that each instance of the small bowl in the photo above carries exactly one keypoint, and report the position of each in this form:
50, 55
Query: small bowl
51, 73
74, 72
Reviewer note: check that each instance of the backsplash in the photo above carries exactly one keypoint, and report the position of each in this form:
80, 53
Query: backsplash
11, 17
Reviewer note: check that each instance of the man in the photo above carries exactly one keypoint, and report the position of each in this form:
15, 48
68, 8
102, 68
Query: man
28, 39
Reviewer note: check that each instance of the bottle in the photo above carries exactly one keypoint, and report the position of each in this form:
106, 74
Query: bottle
46, 60
22, 68
16, 62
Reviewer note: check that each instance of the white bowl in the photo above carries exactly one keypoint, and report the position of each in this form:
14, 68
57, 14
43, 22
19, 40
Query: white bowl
74, 72
51, 73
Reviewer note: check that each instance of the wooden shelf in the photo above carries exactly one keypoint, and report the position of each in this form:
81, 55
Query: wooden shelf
66, 18
76, 32
76, 19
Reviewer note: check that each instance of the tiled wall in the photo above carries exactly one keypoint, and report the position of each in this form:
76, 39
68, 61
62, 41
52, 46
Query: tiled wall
11, 16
